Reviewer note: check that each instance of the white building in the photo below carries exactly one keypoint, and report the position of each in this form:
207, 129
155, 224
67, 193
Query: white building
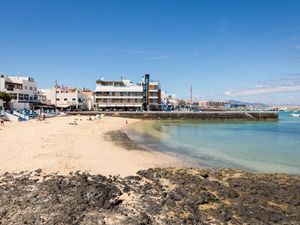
169, 98
90, 98
1, 107
118, 95
67, 97
126, 95
23, 90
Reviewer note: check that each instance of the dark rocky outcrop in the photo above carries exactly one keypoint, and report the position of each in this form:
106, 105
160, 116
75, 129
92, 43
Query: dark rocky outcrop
154, 196
119, 137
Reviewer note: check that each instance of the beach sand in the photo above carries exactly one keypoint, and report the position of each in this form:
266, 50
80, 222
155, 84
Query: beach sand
55, 146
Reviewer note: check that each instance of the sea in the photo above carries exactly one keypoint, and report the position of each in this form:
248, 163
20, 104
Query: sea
255, 146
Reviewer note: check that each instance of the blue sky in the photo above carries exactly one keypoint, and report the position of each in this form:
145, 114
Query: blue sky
247, 50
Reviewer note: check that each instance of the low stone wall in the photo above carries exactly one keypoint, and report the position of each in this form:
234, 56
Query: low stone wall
224, 115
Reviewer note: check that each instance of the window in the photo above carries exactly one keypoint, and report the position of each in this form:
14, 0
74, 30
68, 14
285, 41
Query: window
21, 96
25, 87
73, 99
13, 95
30, 88
65, 99
57, 99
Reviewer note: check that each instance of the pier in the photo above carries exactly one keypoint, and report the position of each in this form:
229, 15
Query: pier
207, 115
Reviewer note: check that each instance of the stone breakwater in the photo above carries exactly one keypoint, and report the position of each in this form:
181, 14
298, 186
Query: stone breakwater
154, 196
207, 115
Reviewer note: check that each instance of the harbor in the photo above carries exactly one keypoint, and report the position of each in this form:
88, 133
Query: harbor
205, 115
131, 112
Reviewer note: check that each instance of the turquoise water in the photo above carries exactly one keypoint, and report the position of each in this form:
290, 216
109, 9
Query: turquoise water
252, 146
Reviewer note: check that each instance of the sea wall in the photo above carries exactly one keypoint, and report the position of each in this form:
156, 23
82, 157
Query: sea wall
224, 115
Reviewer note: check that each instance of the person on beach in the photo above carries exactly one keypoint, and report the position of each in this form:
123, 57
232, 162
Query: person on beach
2, 122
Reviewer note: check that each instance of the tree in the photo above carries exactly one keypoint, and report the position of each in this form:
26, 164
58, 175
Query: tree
6, 98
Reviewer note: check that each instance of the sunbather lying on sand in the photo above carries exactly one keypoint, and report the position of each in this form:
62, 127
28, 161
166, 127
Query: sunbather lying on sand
75, 123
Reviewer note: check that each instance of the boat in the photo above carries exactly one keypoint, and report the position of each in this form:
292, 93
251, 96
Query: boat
295, 114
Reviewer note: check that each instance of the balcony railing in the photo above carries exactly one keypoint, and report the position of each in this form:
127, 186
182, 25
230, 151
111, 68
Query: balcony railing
119, 97
101, 104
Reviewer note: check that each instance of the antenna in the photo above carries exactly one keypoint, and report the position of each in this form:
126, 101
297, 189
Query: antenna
191, 93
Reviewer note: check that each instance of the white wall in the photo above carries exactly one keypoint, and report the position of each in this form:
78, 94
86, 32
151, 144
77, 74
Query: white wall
29, 87
71, 98
1, 107
10, 117
2, 83
20, 105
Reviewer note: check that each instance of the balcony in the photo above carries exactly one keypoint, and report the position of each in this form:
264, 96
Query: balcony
119, 97
13, 90
101, 104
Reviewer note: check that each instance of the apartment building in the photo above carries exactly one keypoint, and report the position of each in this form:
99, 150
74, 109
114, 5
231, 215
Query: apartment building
126, 95
120, 95
154, 95
65, 97
23, 90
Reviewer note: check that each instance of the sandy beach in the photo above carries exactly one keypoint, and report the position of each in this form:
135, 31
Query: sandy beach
178, 195
55, 146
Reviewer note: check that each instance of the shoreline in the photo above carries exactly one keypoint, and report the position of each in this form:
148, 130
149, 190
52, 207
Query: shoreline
55, 146
127, 187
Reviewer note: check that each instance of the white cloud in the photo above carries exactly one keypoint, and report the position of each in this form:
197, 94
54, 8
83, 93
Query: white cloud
263, 90
284, 84
157, 57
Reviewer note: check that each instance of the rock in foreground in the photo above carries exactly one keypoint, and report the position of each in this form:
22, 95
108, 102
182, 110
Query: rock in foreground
155, 196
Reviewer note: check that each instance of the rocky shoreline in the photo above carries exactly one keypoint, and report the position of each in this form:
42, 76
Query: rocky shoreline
154, 196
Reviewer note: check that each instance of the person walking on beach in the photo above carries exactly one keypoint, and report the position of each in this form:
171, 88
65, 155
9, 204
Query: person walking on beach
2, 122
